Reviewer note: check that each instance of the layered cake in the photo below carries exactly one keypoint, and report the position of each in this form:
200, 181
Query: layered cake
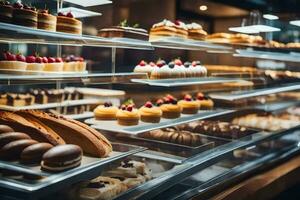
68, 24
219, 37
11, 61
181, 29
124, 31
196, 32
163, 29
6, 12
25, 15
46, 21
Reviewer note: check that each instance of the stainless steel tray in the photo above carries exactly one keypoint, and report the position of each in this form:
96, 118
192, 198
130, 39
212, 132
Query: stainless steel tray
33, 188
113, 126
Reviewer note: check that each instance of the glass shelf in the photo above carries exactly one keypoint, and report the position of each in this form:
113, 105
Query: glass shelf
11, 33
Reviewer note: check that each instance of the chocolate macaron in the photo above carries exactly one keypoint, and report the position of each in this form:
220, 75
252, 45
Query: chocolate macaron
34, 153
6, 138
61, 158
5, 129
12, 150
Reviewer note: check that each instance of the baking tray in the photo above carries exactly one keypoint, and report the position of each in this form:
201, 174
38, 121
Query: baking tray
33, 188
113, 126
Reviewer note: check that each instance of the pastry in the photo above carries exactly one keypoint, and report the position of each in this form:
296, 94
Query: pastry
124, 31
179, 69
6, 12
10, 61
169, 107
127, 115
20, 100
150, 113
6, 138
46, 21
61, 158
219, 37
106, 112
3, 99
181, 29
196, 32
68, 24
198, 70
143, 67
25, 15
74, 132
12, 150
189, 72
34, 153
35, 63
161, 70
39, 96
74, 64
55, 96
163, 29
32, 127
189, 105
54, 65
6, 129
205, 103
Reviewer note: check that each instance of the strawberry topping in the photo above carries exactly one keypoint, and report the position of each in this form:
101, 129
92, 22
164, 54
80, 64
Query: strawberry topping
39, 59
21, 58
30, 59
148, 104
143, 63
200, 96
188, 97
51, 60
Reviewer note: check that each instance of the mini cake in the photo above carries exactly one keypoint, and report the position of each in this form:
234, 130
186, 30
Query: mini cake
40, 96
143, 67
189, 105
24, 15
6, 12
106, 112
205, 103
181, 29
54, 65
188, 69
68, 24
73, 63
10, 61
163, 29
179, 68
161, 70
20, 100
35, 63
198, 69
169, 107
150, 113
46, 21
128, 115
196, 32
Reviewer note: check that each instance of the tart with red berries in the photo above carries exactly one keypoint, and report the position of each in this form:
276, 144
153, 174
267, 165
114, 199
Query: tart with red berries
25, 15
54, 65
35, 63
68, 24
11, 61
127, 115
189, 105
150, 113
46, 21
6, 12
106, 112
205, 103
169, 107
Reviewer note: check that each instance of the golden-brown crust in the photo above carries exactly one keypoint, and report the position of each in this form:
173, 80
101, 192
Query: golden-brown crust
91, 141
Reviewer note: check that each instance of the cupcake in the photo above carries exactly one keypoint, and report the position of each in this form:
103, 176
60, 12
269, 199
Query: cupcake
143, 67
198, 69
106, 112
179, 68
173, 73
128, 115
169, 107
189, 105
160, 71
188, 69
205, 103
150, 113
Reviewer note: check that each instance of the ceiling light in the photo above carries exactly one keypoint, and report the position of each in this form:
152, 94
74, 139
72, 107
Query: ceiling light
295, 22
203, 8
270, 17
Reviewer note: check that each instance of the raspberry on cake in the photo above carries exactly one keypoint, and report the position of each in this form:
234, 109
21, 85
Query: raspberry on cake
150, 113
54, 65
24, 15
73, 63
6, 12
46, 21
11, 61
68, 24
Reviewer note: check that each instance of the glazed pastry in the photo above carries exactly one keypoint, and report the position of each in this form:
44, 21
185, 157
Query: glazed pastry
10, 61
24, 15
35, 63
205, 103
6, 12
169, 107
35, 152
12, 150
54, 65
189, 105
68, 24
196, 32
143, 67
6, 138
163, 29
62, 158
106, 112
161, 70
46, 21
150, 113
181, 29
128, 115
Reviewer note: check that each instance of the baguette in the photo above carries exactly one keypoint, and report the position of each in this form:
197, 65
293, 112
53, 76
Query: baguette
74, 132
35, 129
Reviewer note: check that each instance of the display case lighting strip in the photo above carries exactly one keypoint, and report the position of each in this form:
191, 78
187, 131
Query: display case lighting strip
80, 13
295, 22
254, 29
88, 3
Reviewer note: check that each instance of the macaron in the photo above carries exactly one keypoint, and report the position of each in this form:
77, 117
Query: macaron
5, 129
6, 138
34, 153
62, 158
12, 150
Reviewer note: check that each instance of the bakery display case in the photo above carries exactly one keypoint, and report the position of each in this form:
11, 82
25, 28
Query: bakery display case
69, 129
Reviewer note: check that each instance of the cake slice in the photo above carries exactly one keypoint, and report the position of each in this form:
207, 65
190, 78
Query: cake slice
46, 21
6, 11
